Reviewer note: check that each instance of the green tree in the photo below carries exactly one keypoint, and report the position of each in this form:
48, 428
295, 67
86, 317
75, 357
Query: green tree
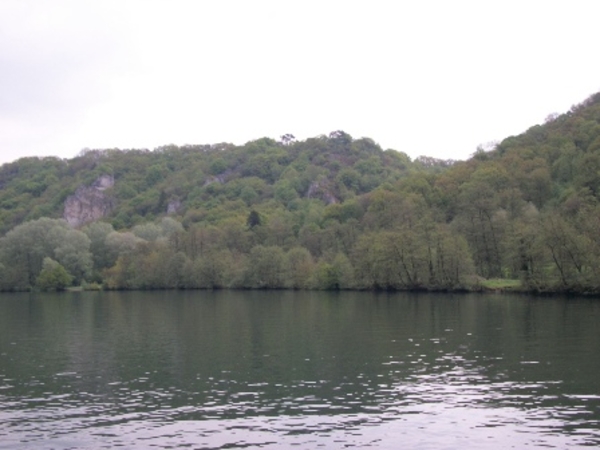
120, 244
253, 219
218, 166
480, 222
285, 192
53, 276
211, 271
147, 231
97, 232
335, 274
266, 267
72, 250
299, 266
249, 195
23, 249
569, 251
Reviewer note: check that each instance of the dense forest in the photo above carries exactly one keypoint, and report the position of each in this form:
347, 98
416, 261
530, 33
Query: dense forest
330, 212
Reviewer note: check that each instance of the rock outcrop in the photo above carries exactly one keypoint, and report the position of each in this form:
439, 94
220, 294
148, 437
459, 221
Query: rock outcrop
89, 203
174, 206
322, 191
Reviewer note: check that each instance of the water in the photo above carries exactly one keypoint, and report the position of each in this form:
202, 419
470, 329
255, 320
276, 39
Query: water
289, 370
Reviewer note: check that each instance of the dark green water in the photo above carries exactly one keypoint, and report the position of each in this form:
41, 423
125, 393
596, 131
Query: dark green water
283, 370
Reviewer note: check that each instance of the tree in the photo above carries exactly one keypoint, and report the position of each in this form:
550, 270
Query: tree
249, 195
253, 219
170, 226
72, 250
147, 231
119, 244
211, 270
384, 210
24, 248
288, 139
266, 267
53, 276
479, 221
299, 266
285, 192
335, 274
350, 178
97, 232
569, 251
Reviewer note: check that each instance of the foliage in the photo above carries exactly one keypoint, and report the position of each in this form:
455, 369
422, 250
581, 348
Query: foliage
330, 212
53, 276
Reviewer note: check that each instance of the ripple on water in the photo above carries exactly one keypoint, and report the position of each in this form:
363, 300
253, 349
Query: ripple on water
420, 408
417, 390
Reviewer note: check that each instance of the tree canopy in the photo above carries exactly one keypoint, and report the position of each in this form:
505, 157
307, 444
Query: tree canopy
330, 212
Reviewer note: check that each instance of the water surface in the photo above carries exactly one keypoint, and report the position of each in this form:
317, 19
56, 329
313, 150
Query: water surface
293, 370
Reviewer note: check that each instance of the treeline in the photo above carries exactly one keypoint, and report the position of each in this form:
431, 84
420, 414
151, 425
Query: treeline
255, 252
330, 212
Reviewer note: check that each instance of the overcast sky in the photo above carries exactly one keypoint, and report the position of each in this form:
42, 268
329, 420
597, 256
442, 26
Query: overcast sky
433, 78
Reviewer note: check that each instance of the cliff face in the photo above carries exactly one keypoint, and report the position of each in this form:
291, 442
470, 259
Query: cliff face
321, 190
89, 203
174, 206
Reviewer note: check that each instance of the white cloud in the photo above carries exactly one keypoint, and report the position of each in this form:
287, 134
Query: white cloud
435, 78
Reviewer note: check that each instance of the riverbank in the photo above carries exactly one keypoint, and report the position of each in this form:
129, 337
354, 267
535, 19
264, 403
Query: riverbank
481, 285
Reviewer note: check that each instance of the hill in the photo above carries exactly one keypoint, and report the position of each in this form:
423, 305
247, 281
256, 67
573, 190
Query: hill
331, 212
196, 179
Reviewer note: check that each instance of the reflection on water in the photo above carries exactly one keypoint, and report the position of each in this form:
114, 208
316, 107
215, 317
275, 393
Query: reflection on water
279, 370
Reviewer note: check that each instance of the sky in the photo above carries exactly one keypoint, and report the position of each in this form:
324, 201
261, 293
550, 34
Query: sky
427, 77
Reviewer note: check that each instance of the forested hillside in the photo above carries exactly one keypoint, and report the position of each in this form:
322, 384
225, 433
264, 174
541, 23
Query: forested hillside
331, 212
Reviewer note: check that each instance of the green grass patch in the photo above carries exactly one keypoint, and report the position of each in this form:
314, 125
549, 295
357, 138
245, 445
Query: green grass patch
74, 289
501, 284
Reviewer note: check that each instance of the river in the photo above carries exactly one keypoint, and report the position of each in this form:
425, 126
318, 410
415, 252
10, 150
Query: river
298, 370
